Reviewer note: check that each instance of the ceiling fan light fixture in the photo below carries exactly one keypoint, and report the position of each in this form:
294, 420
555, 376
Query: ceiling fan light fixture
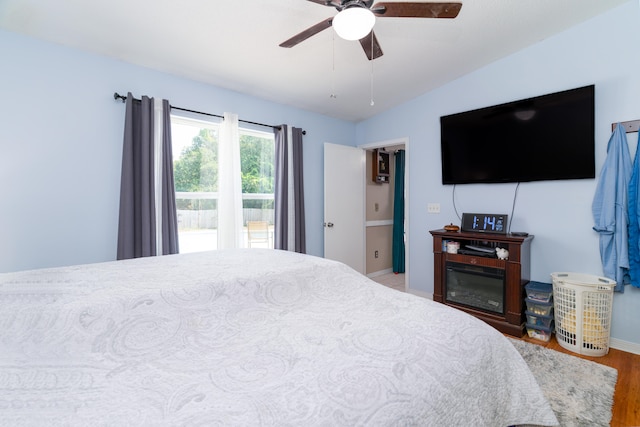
353, 23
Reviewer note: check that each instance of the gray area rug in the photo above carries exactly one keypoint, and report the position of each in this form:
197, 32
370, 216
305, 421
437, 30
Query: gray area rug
579, 391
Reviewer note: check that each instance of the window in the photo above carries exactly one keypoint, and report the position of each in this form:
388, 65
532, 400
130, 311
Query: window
195, 167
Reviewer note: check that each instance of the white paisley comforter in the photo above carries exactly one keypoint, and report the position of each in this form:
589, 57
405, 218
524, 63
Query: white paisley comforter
247, 338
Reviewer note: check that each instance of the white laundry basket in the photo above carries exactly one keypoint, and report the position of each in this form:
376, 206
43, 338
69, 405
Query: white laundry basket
582, 306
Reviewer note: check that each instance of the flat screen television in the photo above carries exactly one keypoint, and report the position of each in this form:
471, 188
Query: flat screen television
549, 137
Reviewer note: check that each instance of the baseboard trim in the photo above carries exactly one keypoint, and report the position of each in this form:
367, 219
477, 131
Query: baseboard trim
629, 347
380, 273
379, 223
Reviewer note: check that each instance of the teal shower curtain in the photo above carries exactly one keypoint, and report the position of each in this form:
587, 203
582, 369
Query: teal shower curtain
398, 215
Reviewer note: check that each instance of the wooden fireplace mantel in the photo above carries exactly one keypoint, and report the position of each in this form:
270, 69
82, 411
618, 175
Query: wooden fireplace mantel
517, 272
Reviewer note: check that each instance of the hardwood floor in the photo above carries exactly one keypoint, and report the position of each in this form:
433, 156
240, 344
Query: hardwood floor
626, 400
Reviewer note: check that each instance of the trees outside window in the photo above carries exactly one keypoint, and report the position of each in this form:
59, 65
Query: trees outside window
195, 160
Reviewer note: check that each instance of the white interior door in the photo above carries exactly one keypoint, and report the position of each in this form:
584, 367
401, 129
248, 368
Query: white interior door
344, 193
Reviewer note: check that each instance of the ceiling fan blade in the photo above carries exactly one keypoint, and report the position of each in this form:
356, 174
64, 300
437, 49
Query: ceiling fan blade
371, 46
416, 10
311, 31
326, 3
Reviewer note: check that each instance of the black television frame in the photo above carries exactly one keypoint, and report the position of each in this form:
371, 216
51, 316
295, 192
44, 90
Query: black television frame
548, 137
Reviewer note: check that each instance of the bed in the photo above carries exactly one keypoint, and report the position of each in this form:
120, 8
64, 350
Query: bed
252, 337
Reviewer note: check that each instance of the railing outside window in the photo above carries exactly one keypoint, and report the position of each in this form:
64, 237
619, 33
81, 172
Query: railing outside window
198, 219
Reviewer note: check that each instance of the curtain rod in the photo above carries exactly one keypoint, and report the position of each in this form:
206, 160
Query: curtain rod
117, 96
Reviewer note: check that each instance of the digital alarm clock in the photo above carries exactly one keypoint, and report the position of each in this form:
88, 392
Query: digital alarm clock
484, 223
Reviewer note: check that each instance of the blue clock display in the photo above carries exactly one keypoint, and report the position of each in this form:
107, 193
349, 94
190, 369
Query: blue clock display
484, 223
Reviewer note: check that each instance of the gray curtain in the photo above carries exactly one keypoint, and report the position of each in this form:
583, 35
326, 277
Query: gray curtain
169, 209
137, 224
281, 193
284, 209
298, 190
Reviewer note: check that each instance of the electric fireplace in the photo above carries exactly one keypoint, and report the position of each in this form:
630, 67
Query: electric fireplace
479, 283
475, 286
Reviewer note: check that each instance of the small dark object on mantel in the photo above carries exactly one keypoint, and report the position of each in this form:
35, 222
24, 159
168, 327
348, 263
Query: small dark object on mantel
451, 227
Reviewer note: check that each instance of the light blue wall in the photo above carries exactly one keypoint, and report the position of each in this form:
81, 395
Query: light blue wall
602, 51
61, 141
61, 146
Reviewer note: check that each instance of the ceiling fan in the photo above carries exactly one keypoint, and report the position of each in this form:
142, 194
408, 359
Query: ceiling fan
350, 11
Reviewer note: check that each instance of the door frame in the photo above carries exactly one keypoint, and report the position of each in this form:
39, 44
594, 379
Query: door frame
388, 143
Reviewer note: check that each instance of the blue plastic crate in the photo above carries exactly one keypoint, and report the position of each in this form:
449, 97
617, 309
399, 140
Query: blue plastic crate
539, 307
538, 291
538, 319
542, 333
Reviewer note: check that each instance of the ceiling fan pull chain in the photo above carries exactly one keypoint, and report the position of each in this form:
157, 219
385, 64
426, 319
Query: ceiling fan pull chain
372, 103
333, 67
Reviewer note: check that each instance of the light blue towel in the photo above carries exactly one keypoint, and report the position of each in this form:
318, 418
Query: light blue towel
609, 207
634, 220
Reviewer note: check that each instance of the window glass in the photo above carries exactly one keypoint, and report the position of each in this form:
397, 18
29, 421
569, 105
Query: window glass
195, 160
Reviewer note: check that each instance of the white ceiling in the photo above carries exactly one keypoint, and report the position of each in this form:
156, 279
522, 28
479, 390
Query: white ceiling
234, 44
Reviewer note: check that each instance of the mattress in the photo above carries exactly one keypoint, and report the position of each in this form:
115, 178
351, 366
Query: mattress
251, 337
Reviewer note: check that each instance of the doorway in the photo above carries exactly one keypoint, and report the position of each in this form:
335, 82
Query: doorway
379, 220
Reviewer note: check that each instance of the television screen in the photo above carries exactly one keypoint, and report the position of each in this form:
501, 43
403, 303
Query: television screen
549, 137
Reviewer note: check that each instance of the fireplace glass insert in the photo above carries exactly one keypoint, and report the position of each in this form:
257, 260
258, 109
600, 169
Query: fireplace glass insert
475, 286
